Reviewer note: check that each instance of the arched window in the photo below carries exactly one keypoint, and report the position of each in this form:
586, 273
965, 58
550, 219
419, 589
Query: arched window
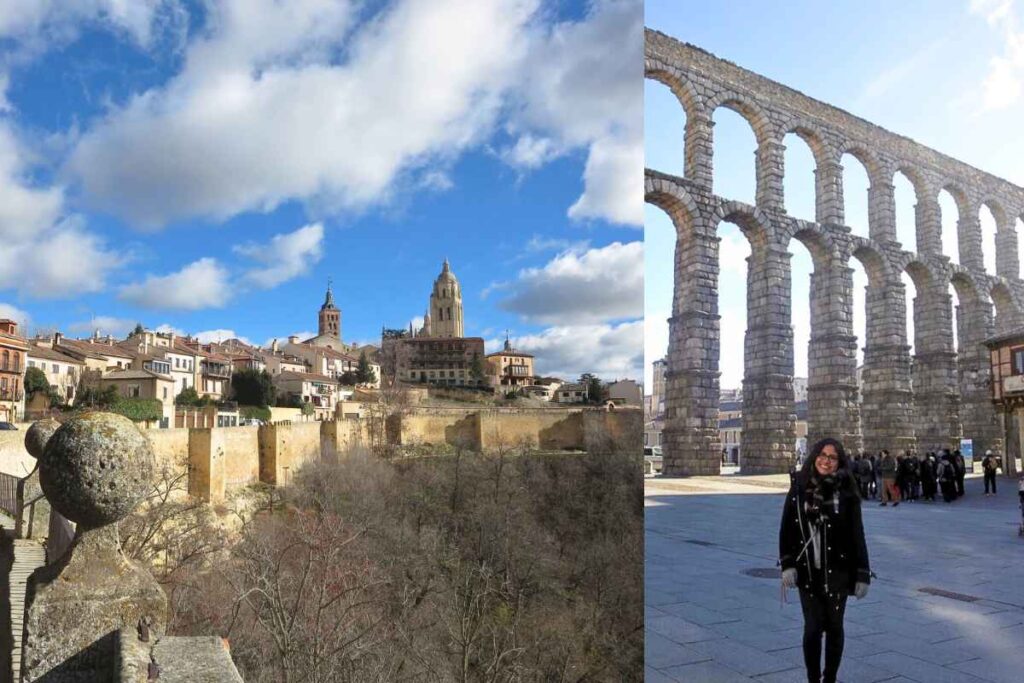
7, 360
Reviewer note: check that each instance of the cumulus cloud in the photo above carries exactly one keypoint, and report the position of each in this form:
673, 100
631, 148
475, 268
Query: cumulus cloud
582, 87
567, 351
209, 336
1004, 83
200, 284
286, 256
106, 324
45, 252
49, 19
260, 114
578, 286
16, 314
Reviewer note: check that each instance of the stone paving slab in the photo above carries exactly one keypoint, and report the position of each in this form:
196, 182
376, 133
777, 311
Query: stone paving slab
708, 622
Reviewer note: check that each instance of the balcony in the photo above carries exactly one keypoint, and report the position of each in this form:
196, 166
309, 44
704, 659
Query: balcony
216, 371
11, 394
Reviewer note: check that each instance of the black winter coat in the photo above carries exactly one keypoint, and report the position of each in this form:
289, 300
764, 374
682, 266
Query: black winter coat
845, 558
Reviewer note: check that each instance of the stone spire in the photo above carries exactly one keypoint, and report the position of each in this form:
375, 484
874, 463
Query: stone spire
508, 343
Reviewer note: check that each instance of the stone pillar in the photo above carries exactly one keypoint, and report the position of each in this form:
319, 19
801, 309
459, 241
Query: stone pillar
1007, 258
828, 192
832, 398
881, 211
690, 439
699, 149
968, 231
935, 383
887, 405
770, 160
769, 423
95, 469
928, 220
978, 416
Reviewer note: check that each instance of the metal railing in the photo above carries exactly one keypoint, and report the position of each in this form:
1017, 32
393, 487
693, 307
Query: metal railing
9, 485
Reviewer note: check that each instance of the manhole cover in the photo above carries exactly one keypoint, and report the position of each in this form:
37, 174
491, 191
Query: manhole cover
704, 543
948, 594
763, 572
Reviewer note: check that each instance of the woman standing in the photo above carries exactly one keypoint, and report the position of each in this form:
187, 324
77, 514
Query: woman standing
823, 553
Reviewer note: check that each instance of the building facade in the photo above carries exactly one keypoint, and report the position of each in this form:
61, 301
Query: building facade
13, 348
510, 370
440, 361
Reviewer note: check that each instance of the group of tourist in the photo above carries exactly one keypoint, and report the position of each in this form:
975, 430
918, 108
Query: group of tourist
910, 477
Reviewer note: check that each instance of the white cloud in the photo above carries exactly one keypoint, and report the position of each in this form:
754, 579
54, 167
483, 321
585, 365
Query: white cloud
733, 251
613, 189
286, 256
200, 284
567, 351
166, 328
208, 336
582, 87
259, 115
1004, 83
45, 254
16, 314
576, 286
51, 20
117, 327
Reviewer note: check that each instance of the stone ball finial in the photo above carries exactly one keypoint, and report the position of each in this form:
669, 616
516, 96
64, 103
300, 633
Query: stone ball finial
96, 468
38, 435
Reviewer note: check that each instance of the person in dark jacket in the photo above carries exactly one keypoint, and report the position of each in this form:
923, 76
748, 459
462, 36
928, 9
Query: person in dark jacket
945, 472
989, 466
928, 483
961, 471
823, 553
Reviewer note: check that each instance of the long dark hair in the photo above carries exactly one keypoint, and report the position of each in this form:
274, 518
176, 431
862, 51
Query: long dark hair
843, 473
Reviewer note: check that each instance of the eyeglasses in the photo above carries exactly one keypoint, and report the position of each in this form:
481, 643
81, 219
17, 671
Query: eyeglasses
826, 456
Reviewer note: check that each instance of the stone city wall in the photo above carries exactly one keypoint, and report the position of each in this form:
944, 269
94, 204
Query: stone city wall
283, 448
338, 437
170, 446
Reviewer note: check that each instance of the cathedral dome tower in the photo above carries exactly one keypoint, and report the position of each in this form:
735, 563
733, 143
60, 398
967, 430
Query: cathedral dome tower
330, 316
446, 305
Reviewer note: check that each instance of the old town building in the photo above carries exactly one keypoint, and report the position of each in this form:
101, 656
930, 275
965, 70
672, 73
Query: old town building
444, 317
12, 371
510, 370
63, 371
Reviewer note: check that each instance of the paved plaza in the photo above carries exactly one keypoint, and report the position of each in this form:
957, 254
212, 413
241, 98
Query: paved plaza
707, 621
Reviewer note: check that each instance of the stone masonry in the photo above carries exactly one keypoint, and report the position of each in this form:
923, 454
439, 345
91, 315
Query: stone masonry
928, 401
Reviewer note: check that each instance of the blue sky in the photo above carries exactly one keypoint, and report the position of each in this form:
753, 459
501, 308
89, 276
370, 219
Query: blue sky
948, 74
206, 166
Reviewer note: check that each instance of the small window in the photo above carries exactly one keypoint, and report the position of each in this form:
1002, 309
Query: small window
1018, 361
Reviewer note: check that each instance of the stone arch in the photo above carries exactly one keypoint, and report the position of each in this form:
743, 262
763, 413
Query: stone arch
751, 221
865, 156
872, 258
919, 273
680, 87
1007, 308
814, 140
817, 241
917, 229
749, 110
967, 290
672, 198
811, 135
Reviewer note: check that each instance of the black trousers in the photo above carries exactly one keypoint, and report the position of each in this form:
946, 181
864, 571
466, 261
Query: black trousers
990, 476
823, 615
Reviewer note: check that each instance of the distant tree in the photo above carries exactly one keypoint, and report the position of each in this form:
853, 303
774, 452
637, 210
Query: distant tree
476, 369
364, 373
36, 382
597, 392
253, 388
187, 397
349, 378
139, 329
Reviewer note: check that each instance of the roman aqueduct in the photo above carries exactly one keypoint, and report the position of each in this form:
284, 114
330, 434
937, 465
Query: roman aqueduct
926, 401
